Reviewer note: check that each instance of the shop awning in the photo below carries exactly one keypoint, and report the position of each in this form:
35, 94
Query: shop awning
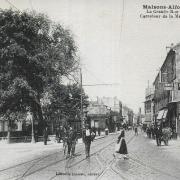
162, 114
165, 113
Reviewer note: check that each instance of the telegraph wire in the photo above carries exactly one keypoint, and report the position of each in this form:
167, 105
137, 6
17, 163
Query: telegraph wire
30, 2
122, 18
12, 5
94, 75
106, 84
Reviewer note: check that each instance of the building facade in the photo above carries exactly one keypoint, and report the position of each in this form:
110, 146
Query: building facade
149, 106
115, 105
167, 91
98, 114
127, 115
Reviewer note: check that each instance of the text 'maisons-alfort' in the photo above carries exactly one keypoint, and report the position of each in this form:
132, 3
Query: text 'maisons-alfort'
145, 6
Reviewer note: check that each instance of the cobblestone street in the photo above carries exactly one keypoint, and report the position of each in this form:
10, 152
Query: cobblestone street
146, 161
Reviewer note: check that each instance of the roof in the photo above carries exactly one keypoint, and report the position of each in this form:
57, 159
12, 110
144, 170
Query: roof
171, 52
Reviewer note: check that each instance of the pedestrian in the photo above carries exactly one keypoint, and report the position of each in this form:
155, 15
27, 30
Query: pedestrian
61, 133
36, 135
136, 130
45, 135
122, 147
57, 135
148, 131
152, 132
99, 131
158, 133
88, 136
93, 130
71, 142
65, 139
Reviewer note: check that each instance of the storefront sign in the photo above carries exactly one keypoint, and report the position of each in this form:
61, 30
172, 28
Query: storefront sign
168, 87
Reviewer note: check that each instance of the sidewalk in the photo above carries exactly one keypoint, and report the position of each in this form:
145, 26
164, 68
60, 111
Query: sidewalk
16, 153
173, 147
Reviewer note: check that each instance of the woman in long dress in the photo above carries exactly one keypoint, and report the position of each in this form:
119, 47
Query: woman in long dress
122, 145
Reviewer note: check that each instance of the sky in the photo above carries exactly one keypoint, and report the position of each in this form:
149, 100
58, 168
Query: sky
114, 47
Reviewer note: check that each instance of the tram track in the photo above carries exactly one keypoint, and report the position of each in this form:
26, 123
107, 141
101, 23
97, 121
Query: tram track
69, 164
61, 160
137, 160
38, 160
110, 164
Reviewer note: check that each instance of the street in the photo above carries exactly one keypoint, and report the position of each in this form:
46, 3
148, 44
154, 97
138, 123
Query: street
92, 78
146, 161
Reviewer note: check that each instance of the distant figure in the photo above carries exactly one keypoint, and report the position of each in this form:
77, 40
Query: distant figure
61, 133
152, 132
88, 136
158, 133
136, 130
45, 135
93, 129
122, 145
65, 139
57, 135
99, 131
148, 131
36, 135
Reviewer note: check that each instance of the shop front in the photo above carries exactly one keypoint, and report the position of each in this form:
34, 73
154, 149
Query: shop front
161, 118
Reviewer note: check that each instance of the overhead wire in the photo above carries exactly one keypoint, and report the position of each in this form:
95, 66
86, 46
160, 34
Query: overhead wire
12, 5
122, 19
94, 75
30, 2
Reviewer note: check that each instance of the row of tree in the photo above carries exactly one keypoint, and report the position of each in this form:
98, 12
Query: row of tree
35, 53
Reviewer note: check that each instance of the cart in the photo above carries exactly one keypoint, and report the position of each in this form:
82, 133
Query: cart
166, 134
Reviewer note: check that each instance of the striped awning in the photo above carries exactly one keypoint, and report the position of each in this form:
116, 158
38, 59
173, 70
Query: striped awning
162, 114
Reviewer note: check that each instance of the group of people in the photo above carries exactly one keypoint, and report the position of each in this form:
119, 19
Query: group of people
150, 131
159, 134
69, 137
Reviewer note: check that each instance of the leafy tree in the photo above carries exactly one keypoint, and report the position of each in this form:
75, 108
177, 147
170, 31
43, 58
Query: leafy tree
64, 101
34, 54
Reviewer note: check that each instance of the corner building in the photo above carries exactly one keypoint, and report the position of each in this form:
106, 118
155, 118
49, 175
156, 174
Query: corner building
167, 92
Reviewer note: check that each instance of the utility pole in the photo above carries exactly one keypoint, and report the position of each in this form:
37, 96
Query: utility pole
32, 138
82, 123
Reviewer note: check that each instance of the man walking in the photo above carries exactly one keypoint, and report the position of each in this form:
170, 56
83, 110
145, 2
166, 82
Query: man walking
88, 136
71, 142
136, 130
158, 133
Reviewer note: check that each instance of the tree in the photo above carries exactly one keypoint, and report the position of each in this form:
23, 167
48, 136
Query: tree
63, 101
34, 54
